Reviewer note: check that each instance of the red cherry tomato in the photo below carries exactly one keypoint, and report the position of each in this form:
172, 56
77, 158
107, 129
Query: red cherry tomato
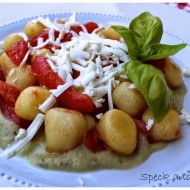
68, 99
75, 101
9, 112
18, 52
76, 29
2, 77
8, 93
141, 126
93, 142
91, 26
34, 40
67, 37
159, 63
45, 74
75, 74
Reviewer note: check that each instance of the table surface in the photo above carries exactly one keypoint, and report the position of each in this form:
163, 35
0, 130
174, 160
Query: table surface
22, 10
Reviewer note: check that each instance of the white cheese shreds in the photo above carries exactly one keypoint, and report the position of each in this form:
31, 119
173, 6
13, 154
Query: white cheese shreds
23, 35
40, 45
16, 146
63, 74
132, 86
88, 78
12, 72
185, 117
61, 88
49, 102
99, 116
25, 58
53, 67
15, 80
149, 124
46, 22
186, 72
110, 101
21, 134
51, 35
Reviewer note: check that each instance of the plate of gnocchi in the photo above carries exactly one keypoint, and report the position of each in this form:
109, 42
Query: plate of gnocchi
88, 96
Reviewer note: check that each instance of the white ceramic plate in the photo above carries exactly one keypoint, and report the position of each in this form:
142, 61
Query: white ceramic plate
172, 161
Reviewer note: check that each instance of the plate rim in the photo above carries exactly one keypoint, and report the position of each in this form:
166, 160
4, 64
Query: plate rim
25, 182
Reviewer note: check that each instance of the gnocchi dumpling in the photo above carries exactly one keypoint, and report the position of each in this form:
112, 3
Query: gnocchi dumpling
11, 40
33, 28
109, 33
21, 77
64, 129
6, 64
118, 131
129, 99
29, 100
171, 71
169, 128
42, 52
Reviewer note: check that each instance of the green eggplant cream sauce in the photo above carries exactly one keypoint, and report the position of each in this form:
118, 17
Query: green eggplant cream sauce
82, 159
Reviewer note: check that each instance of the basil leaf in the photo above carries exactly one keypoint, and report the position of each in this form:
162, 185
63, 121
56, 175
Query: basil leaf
153, 86
126, 34
159, 51
146, 29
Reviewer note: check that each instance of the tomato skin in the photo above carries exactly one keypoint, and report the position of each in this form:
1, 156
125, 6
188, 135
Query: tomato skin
44, 74
93, 142
2, 77
75, 74
8, 93
75, 101
76, 29
70, 98
9, 112
91, 26
18, 52
159, 63
141, 126
34, 40
67, 37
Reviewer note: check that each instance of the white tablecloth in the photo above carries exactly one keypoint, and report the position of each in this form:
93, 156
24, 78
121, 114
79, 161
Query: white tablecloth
12, 12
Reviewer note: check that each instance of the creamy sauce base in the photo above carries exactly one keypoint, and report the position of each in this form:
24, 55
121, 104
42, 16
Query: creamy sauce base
82, 159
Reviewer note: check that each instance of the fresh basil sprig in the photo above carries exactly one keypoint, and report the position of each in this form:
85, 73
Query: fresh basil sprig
146, 30
142, 38
159, 51
152, 84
